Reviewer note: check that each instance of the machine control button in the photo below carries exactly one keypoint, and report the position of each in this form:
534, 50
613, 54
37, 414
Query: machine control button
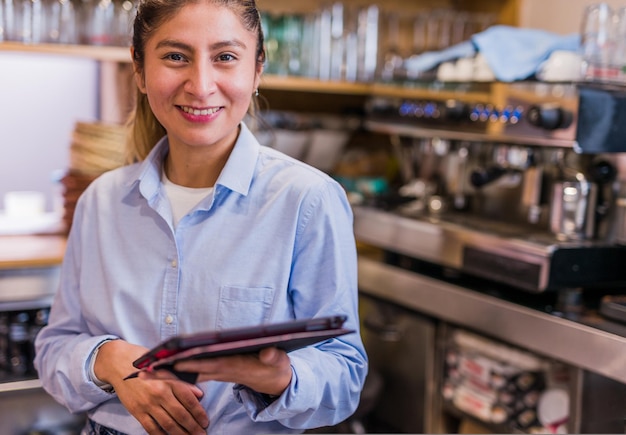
483, 176
456, 110
549, 117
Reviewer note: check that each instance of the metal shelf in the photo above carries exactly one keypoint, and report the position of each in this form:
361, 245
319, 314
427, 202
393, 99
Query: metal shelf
596, 350
33, 304
24, 385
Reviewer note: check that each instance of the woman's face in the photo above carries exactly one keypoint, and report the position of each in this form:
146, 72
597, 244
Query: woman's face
199, 75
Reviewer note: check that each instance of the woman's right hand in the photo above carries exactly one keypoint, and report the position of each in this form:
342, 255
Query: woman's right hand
162, 406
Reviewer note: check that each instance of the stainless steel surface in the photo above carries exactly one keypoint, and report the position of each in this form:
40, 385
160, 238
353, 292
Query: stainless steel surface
443, 242
28, 283
574, 343
620, 220
29, 409
601, 405
440, 238
502, 229
572, 215
453, 134
31, 304
496, 250
523, 113
30, 384
401, 345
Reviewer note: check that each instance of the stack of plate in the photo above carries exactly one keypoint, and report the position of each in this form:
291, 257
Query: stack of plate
96, 148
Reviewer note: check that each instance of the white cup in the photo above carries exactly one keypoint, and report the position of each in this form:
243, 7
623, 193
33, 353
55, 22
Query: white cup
562, 65
24, 204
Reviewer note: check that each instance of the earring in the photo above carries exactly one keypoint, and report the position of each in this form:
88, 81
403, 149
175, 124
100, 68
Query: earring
256, 92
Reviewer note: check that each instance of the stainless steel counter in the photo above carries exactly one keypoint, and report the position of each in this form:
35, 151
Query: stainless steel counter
572, 342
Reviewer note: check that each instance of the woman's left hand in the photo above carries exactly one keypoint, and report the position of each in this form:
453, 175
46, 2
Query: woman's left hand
268, 372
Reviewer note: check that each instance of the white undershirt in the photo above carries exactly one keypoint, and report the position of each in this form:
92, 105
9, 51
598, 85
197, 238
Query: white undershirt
182, 199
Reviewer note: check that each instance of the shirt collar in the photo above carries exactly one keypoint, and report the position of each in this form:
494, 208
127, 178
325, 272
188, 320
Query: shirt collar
237, 173
239, 169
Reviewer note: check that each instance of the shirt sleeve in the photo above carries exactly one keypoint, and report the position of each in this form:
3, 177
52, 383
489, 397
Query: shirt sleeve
63, 348
327, 377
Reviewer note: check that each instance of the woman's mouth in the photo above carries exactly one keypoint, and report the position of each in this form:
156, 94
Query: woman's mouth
199, 112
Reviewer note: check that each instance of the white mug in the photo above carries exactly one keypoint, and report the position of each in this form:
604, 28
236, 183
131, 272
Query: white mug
24, 204
562, 65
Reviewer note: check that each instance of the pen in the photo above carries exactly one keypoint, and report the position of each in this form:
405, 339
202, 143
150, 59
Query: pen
133, 375
188, 377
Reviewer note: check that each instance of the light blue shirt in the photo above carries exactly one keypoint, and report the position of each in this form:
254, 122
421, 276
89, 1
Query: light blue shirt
272, 242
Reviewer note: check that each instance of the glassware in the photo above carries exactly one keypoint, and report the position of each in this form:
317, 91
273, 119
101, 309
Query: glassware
60, 22
99, 22
310, 49
420, 43
390, 47
25, 20
273, 27
458, 32
325, 43
598, 40
20, 28
367, 40
619, 54
124, 12
291, 47
337, 50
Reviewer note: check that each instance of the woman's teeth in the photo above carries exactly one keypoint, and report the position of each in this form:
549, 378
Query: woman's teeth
199, 112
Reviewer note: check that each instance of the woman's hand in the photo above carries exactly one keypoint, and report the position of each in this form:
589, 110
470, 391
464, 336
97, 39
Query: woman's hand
162, 406
267, 372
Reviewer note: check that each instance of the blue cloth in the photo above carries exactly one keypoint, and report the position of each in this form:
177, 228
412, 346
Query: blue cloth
430, 59
512, 53
273, 241
516, 53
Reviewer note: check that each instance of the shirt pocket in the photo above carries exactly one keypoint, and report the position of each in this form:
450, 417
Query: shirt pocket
244, 306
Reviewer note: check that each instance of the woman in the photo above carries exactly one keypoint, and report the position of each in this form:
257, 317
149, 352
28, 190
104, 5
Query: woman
207, 230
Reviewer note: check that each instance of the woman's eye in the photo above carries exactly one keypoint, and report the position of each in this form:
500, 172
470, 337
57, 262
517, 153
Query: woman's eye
226, 57
176, 57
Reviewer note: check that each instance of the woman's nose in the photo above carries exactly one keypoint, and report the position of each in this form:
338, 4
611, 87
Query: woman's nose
201, 80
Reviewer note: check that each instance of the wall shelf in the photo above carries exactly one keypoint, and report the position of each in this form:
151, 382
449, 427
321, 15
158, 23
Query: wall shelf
268, 82
98, 53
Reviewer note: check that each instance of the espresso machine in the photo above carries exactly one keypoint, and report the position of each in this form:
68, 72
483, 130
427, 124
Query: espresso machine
519, 187
506, 220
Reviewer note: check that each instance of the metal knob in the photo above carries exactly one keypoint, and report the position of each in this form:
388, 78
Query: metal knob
549, 117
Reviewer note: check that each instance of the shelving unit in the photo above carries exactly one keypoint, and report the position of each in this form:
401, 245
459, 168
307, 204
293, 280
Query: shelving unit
283, 92
116, 71
29, 268
270, 82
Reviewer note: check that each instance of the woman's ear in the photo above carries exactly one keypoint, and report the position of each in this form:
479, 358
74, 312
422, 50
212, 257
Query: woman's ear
138, 73
257, 76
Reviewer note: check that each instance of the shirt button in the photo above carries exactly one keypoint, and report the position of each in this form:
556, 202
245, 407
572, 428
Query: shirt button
174, 263
169, 319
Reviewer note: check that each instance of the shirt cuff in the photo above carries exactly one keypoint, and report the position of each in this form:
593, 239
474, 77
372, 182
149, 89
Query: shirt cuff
92, 374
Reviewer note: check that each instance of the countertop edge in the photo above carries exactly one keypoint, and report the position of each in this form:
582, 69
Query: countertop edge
551, 336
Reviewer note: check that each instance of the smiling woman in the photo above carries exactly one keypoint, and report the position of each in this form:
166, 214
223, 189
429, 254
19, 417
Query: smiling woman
203, 229
199, 88
174, 52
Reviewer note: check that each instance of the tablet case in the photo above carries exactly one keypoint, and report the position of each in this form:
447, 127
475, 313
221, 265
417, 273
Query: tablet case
289, 336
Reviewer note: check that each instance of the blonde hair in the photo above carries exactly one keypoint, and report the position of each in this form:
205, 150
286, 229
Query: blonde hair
144, 130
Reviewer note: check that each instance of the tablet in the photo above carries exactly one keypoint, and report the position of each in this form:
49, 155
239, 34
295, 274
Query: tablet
288, 336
